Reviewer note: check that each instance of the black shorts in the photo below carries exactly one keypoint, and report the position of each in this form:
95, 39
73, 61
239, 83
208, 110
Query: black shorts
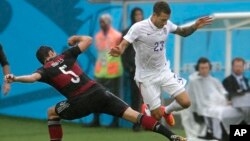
95, 100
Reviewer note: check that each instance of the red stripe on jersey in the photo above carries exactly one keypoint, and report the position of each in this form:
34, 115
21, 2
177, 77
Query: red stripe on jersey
61, 80
82, 89
76, 69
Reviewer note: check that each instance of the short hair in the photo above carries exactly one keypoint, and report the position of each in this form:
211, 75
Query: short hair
238, 59
42, 53
162, 6
107, 18
203, 60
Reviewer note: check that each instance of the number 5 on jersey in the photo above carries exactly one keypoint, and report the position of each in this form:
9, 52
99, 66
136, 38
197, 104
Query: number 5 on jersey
75, 79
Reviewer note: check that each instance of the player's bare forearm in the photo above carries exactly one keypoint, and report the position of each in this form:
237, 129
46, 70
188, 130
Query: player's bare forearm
201, 22
6, 88
118, 50
123, 45
185, 31
83, 41
76, 39
24, 78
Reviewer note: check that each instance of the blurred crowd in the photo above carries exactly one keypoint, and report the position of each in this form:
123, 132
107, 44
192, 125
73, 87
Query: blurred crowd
216, 105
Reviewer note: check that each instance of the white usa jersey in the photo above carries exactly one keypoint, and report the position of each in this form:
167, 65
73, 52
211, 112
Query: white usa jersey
149, 44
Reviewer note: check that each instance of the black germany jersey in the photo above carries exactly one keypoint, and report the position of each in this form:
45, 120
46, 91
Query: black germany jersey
64, 74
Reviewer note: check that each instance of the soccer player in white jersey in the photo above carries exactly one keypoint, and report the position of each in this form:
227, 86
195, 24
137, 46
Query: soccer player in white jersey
153, 72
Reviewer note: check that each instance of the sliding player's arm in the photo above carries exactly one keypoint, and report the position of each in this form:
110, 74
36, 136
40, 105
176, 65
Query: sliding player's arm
83, 42
9, 78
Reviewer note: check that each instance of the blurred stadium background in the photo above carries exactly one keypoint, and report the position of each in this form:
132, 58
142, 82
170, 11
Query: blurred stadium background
27, 24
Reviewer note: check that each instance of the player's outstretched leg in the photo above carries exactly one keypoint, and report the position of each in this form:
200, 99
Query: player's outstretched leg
54, 125
149, 123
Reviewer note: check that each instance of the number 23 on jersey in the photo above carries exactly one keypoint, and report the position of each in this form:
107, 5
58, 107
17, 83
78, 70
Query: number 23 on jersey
159, 46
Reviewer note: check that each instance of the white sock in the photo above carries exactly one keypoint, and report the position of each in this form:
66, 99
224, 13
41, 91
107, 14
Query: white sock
173, 106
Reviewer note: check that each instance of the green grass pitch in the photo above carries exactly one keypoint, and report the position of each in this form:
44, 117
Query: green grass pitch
19, 129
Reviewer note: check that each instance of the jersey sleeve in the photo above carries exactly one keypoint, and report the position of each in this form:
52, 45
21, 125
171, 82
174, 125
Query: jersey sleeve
172, 27
132, 34
41, 71
73, 51
3, 59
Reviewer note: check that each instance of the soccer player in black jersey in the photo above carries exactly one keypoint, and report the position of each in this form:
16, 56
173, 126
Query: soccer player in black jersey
84, 96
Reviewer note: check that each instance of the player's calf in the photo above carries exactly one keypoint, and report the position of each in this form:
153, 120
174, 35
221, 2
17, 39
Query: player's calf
149, 123
54, 125
55, 129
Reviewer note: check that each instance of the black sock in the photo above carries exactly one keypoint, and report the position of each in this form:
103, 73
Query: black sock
159, 128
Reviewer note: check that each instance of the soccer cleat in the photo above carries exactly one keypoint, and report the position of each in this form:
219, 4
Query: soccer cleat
169, 118
177, 138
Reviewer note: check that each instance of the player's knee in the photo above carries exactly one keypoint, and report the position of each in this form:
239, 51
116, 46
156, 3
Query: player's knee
183, 100
51, 113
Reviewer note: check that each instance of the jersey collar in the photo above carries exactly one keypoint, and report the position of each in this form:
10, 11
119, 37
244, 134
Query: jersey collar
152, 24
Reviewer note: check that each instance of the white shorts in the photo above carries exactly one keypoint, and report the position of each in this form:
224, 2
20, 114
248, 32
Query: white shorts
152, 87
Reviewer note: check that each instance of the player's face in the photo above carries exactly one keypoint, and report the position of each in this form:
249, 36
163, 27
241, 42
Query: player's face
204, 69
238, 67
138, 16
161, 20
51, 55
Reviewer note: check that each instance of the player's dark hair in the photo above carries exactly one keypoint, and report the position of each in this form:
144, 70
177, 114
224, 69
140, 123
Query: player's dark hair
202, 60
42, 53
162, 6
238, 59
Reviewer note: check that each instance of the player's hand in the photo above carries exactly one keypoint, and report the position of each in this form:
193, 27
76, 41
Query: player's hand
203, 21
9, 78
6, 88
73, 40
115, 51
